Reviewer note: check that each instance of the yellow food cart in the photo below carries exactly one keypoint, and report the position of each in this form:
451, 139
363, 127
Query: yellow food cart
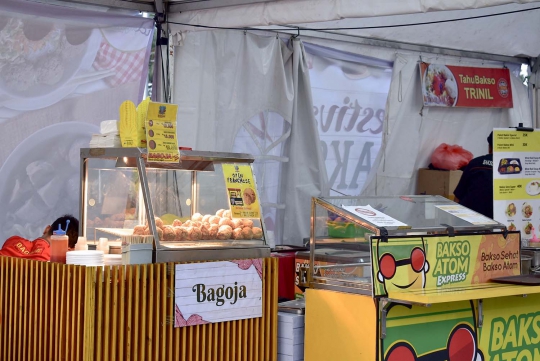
441, 283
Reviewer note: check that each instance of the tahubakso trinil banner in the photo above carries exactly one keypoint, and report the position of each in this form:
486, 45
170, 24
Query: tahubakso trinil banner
462, 86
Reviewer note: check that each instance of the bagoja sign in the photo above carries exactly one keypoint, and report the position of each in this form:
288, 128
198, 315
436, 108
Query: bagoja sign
220, 294
217, 291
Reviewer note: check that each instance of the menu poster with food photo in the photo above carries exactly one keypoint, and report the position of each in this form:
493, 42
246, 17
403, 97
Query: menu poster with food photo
161, 138
241, 191
463, 86
516, 181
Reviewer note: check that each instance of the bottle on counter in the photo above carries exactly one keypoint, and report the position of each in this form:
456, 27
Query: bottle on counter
59, 244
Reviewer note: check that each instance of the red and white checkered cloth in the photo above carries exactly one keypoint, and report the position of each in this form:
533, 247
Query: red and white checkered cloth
128, 65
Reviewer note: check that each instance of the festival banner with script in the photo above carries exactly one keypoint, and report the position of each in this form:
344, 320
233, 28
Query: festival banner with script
462, 86
212, 292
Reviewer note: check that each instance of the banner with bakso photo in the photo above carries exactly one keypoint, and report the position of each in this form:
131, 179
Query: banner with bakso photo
463, 86
62, 72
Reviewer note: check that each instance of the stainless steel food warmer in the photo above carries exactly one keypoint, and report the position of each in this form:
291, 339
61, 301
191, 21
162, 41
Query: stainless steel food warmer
121, 190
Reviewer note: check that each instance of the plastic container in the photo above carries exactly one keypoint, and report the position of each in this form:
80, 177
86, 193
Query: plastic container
103, 245
59, 244
345, 230
526, 264
81, 244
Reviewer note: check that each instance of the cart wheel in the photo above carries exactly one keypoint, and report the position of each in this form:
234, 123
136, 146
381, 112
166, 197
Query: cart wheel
401, 352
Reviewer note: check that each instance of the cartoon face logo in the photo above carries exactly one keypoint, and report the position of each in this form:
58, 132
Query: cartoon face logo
405, 267
236, 168
162, 109
461, 346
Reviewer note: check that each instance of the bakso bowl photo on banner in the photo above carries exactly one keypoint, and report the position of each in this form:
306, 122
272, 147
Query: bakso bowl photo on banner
60, 77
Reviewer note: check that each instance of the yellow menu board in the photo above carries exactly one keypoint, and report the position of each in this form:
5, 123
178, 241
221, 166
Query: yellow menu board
241, 190
161, 139
516, 181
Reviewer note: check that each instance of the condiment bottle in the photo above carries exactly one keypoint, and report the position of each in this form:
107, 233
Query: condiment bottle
59, 244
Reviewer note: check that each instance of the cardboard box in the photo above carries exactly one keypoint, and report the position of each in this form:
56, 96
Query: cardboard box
438, 182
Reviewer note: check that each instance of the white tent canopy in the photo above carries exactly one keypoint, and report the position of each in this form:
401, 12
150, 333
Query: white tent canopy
475, 33
511, 34
469, 33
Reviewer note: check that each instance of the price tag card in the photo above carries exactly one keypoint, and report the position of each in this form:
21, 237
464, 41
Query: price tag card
240, 183
161, 138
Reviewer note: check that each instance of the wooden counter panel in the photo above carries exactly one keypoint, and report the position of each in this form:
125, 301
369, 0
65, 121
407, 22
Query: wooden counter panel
51, 311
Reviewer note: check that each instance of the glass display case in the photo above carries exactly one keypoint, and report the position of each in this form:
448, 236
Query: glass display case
342, 227
180, 211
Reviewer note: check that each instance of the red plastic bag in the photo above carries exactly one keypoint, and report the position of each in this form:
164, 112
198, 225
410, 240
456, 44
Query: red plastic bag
450, 157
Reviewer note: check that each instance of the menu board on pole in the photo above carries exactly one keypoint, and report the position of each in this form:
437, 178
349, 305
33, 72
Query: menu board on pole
516, 181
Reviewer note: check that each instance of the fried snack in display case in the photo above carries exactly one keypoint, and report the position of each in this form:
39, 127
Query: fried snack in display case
181, 211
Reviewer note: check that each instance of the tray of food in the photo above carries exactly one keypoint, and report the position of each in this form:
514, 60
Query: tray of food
510, 166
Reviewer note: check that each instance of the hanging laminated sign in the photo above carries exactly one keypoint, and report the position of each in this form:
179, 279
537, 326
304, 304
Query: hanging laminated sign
161, 136
516, 182
462, 86
240, 183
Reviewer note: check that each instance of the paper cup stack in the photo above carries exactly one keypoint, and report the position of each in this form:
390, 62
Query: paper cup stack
85, 258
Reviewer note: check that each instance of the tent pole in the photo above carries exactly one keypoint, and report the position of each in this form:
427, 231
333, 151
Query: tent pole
534, 79
533, 98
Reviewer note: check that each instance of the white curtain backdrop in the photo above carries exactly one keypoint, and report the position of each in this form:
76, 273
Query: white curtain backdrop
412, 133
241, 92
62, 72
349, 98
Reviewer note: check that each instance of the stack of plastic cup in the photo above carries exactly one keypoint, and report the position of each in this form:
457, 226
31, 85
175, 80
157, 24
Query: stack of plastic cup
81, 244
103, 245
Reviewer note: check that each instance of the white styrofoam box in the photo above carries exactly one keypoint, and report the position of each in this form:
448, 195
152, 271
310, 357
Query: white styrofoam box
287, 348
286, 345
293, 320
288, 323
290, 336
295, 334
282, 357
137, 254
